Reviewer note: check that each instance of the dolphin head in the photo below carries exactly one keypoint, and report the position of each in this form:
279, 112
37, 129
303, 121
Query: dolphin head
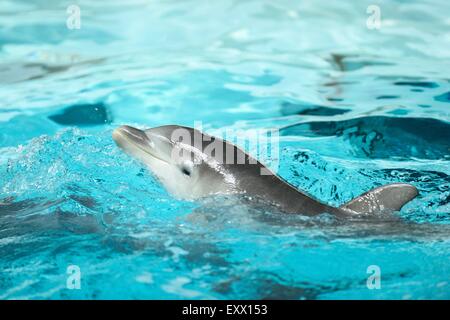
176, 156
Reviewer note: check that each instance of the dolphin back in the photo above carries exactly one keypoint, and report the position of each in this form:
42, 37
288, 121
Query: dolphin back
387, 198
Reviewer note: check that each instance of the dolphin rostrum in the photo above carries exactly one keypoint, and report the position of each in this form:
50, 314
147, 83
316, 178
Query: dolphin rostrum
191, 165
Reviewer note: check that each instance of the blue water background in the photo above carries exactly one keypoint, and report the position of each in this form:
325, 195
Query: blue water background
356, 108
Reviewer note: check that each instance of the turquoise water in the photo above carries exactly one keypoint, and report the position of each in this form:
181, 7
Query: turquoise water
356, 108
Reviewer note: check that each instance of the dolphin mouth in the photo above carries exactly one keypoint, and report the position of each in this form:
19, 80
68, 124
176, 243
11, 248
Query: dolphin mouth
124, 136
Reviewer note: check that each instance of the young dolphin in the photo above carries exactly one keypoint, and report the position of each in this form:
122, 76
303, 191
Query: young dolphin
192, 165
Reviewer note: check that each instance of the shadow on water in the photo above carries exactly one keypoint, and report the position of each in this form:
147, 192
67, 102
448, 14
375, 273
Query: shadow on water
26, 71
83, 115
289, 108
383, 137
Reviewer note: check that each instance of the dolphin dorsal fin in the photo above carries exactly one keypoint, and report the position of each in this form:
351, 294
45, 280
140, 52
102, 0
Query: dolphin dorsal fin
387, 198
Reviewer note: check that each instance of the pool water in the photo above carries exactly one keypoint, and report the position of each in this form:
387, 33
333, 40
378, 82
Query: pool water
356, 107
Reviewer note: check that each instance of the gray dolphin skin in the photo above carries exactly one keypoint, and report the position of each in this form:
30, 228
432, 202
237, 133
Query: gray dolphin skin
192, 165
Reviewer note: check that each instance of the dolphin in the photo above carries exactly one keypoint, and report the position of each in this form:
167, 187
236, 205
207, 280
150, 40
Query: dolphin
192, 165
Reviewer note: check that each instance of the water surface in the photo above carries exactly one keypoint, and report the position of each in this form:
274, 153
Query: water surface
355, 107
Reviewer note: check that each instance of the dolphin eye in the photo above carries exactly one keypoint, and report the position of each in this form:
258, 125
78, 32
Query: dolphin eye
186, 168
186, 171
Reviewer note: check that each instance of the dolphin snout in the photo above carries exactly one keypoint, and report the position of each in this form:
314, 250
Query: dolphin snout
141, 144
131, 133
